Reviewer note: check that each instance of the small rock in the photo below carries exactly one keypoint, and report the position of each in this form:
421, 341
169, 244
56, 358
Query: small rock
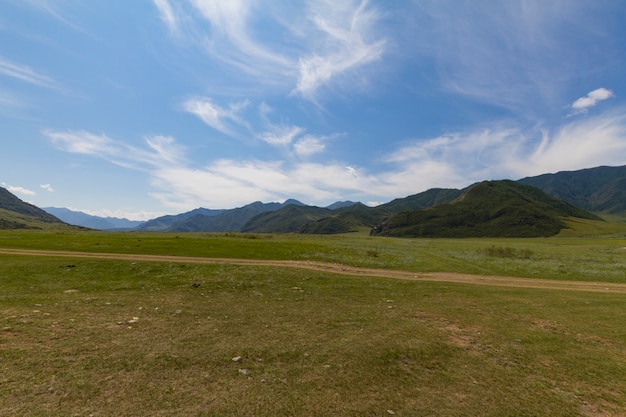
134, 320
236, 359
244, 371
391, 412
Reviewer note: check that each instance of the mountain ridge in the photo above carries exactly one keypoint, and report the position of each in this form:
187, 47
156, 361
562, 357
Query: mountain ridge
600, 190
79, 218
502, 208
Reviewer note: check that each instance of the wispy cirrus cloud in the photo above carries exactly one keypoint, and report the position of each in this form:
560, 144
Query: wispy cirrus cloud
231, 39
281, 135
26, 74
168, 14
229, 120
331, 40
51, 8
310, 145
82, 142
219, 118
346, 30
161, 150
521, 56
594, 141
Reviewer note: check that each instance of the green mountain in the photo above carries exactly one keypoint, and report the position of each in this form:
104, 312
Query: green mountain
487, 209
426, 199
342, 217
205, 220
289, 219
600, 190
164, 223
17, 214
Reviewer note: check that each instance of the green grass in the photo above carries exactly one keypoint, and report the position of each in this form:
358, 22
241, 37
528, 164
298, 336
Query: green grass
567, 257
137, 338
95, 337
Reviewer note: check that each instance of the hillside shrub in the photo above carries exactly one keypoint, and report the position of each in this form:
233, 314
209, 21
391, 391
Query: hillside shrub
507, 252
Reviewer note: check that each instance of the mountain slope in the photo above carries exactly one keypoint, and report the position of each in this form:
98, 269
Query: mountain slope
343, 217
79, 218
426, 199
163, 223
17, 214
490, 209
227, 220
289, 219
601, 189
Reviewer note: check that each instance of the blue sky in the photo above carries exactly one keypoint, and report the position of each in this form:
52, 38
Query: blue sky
141, 108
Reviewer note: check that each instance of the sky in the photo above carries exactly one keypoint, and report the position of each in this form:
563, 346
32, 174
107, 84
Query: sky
143, 108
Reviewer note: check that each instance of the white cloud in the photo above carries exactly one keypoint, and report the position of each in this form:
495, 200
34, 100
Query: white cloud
229, 183
19, 190
346, 28
309, 145
308, 47
47, 187
507, 152
165, 151
82, 142
600, 140
219, 118
452, 160
162, 150
138, 215
591, 99
26, 74
231, 38
519, 55
167, 14
281, 135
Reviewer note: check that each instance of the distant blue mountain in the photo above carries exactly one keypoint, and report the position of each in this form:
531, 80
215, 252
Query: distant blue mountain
78, 218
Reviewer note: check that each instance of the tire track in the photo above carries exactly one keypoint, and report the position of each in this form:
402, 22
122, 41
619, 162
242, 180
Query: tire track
334, 268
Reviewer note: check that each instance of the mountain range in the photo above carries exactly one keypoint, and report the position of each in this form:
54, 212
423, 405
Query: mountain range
601, 190
92, 222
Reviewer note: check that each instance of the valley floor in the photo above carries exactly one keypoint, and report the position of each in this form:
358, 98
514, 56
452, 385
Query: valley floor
490, 280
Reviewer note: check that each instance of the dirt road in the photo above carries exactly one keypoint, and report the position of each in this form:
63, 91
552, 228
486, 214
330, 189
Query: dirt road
491, 280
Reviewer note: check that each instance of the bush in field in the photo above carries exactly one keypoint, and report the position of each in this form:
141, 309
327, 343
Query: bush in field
507, 252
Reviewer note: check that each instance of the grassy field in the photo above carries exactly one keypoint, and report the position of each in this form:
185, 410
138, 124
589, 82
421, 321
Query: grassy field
104, 337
